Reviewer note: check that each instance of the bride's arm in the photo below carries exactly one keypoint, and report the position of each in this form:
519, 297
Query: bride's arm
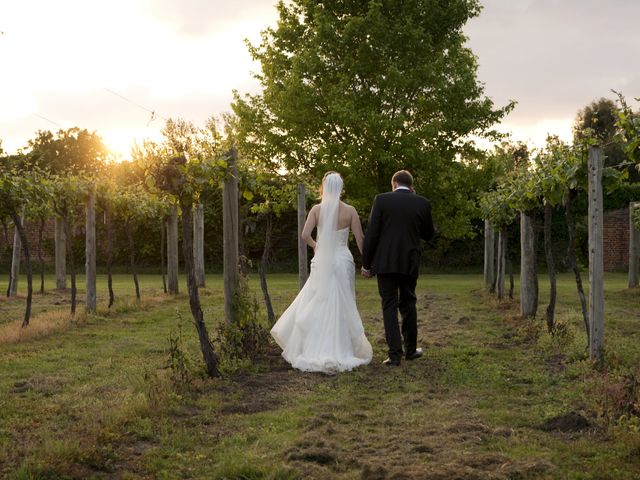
309, 225
356, 228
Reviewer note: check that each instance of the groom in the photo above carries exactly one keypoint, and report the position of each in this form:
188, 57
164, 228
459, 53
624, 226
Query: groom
398, 220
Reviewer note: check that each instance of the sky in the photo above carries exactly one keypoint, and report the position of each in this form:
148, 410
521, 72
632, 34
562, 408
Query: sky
105, 65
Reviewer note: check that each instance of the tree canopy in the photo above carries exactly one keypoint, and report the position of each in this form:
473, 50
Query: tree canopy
367, 88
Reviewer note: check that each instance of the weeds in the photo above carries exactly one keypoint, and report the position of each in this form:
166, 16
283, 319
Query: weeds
247, 338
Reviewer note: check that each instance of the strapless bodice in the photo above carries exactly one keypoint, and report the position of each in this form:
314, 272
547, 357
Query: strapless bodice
343, 236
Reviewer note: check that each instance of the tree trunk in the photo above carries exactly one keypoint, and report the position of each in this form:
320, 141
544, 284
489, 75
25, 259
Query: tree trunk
132, 258
198, 244
163, 265
172, 252
60, 253
27, 262
528, 276
72, 266
40, 258
210, 358
571, 255
230, 236
489, 255
112, 296
15, 259
262, 269
90, 252
303, 271
551, 267
596, 255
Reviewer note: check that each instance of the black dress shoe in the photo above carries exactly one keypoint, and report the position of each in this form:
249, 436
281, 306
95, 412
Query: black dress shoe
414, 355
390, 362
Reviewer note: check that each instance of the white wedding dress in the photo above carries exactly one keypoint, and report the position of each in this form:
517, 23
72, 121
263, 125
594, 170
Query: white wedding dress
322, 331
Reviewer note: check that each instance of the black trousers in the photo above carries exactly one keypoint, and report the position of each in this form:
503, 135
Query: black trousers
398, 292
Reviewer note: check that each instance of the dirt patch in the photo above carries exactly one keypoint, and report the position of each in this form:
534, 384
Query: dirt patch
556, 363
469, 428
569, 422
21, 386
260, 392
315, 455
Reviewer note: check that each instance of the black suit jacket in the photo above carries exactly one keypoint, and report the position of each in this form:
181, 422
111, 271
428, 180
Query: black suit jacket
398, 221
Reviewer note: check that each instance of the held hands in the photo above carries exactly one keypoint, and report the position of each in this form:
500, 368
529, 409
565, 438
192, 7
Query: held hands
365, 273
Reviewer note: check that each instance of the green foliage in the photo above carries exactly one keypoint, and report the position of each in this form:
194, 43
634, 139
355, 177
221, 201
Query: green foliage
134, 206
556, 170
496, 208
629, 129
368, 88
508, 187
28, 191
185, 163
69, 192
268, 192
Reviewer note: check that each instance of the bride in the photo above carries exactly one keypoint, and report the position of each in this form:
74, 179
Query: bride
321, 331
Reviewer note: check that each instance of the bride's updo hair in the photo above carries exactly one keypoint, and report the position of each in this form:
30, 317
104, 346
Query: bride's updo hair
321, 189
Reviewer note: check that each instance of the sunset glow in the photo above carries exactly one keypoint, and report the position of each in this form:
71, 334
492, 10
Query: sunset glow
106, 65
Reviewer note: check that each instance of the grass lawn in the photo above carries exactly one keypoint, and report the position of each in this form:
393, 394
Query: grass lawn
495, 397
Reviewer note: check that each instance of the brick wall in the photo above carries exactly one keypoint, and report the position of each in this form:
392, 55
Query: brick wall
616, 239
32, 228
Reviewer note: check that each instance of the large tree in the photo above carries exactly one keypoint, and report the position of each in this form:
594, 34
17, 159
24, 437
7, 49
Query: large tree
367, 88
70, 151
597, 121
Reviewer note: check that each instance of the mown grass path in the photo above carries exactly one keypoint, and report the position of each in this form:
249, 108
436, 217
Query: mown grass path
94, 400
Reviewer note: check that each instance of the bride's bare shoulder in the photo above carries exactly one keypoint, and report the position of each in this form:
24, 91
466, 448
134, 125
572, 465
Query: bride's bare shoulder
347, 207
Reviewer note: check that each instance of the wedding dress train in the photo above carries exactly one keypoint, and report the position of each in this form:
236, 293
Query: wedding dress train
321, 331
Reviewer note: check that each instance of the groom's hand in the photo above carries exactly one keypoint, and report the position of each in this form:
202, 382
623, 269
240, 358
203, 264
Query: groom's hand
365, 273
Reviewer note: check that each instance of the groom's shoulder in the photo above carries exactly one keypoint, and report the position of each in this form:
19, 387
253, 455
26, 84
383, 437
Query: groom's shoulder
424, 199
384, 195
383, 198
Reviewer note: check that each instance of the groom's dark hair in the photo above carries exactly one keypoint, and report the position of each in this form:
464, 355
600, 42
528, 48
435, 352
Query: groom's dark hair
403, 178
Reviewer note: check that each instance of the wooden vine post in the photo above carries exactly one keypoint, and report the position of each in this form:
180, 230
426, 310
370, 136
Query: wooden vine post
501, 263
528, 277
303, 272
172, 252
60, 254
90, 251
230, 234
489, 255
198, 244
634, 246
15, 261
596, 262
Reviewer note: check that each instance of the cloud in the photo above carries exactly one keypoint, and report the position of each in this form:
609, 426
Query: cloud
204, 17
555, 56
